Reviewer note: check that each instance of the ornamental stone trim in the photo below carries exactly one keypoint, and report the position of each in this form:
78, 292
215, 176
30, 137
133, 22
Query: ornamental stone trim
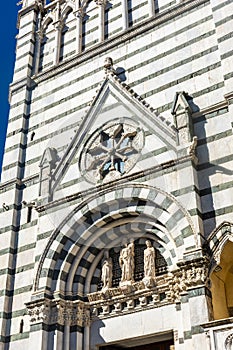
59, 311
130, 298
190, 275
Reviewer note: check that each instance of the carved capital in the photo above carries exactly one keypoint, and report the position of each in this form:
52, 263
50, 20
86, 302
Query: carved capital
73, 313
60, 311
58, 25
80, 13
39, 312
188, 277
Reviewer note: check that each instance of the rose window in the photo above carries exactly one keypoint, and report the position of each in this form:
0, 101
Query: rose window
111, 152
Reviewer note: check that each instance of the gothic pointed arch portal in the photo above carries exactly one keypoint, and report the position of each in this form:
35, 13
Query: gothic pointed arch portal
69, 264
221, 270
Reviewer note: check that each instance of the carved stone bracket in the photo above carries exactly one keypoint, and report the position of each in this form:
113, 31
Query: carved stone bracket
59, 311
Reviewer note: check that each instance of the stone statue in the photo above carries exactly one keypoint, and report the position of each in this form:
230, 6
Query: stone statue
106, 276
149, 260
149, 265
126, 261
108, 65
108, 62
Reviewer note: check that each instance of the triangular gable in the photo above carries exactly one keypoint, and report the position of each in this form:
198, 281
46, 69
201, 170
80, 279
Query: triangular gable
180, 103
122, 101
49, 157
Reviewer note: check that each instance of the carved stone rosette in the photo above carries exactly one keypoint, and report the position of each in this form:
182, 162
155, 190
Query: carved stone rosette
59, 311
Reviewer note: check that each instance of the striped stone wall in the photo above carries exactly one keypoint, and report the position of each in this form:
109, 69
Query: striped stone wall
184, 46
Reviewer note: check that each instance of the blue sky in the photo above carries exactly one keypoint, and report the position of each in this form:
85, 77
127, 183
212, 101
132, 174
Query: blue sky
8, 31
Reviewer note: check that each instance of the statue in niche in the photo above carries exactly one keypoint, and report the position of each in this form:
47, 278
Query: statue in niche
126, 261
149, 265
106, 275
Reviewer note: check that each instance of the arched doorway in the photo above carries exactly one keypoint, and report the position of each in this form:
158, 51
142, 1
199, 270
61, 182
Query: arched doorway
222, 284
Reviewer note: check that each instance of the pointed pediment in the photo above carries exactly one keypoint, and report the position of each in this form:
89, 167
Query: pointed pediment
119, 108
49, 157
180, 103
113, 89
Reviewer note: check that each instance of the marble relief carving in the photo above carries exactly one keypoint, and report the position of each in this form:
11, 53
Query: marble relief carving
186, 278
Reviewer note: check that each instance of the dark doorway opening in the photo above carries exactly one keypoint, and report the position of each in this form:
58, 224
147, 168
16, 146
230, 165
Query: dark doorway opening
165, 345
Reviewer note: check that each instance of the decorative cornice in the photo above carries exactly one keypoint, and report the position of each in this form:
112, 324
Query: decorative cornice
111, 75
223, 324
212, 108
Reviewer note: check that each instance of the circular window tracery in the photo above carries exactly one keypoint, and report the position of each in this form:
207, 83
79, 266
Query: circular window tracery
111, 151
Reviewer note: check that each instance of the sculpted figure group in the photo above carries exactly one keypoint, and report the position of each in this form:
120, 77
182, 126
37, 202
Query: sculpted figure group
127, 265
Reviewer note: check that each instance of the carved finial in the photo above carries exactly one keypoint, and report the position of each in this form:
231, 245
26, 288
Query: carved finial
108, 65
101, 2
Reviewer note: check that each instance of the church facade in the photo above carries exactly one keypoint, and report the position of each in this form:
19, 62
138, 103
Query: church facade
116, 212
